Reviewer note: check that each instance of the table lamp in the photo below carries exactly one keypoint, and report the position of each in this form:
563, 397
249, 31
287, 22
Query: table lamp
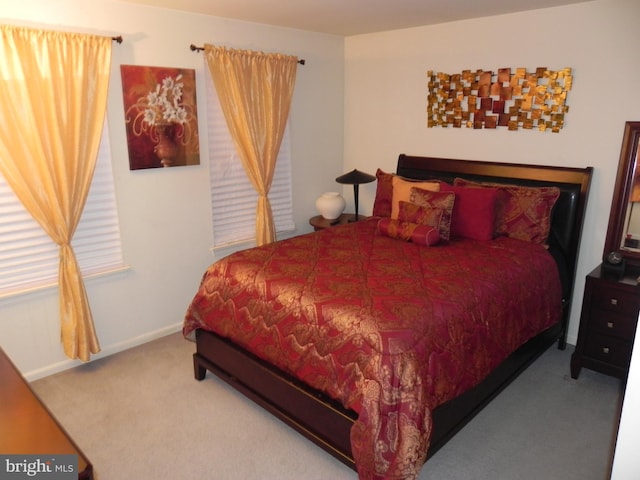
355, 178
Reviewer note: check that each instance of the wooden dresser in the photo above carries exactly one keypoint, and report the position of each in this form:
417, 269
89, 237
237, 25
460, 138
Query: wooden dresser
26, 426
607, 324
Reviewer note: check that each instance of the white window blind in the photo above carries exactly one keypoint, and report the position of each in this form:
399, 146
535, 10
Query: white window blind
29, 259
233, 198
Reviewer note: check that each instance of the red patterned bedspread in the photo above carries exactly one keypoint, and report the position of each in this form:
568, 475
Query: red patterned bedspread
389, 328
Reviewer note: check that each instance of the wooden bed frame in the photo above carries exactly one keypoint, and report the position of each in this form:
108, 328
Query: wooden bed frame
325, 421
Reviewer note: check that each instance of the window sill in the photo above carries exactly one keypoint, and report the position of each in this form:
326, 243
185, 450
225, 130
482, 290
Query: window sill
43, 287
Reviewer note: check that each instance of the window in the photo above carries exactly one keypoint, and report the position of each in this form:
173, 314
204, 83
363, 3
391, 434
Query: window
233, 198
29, 259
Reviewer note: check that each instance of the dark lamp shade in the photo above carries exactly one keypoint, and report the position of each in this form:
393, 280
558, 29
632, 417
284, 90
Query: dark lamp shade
355, 177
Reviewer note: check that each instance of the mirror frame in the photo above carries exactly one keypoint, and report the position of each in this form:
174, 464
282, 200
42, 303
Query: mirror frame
620, 203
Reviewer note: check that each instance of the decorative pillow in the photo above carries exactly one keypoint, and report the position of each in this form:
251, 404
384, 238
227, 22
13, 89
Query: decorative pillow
474, 212
424, 215
522, 212
413, 232
384, 192
402, 191
430, 208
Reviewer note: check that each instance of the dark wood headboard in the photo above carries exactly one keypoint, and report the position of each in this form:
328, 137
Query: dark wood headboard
568, 212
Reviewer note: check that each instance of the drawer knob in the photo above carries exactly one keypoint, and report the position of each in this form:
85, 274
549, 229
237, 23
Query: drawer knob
605, 350
609, 324
614, 301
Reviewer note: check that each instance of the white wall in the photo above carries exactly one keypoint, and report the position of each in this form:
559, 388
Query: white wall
386, 98
165, 214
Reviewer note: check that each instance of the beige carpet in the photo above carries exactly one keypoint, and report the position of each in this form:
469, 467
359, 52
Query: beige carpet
141, 415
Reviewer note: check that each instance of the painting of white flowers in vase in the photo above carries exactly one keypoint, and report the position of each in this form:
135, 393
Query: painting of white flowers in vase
161, 116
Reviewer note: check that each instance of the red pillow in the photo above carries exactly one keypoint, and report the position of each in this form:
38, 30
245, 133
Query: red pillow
474, 212
413, 232
384, 194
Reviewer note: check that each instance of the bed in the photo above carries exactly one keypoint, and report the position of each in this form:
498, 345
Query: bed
378, 340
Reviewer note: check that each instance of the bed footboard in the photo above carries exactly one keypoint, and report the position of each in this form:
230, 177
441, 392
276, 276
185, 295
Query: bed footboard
324, 421
308, 411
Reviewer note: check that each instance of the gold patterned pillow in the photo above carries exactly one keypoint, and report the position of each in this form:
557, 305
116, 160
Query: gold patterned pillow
429, 208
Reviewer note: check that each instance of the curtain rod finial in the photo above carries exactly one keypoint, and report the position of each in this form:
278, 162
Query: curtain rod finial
117, 39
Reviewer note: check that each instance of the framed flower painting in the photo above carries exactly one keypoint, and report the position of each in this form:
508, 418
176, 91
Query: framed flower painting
161, 116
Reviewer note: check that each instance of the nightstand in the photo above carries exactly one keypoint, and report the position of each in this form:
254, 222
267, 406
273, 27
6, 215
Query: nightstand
320, 223
607, 324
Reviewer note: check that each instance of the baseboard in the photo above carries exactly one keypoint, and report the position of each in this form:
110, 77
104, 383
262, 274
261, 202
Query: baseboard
105, 352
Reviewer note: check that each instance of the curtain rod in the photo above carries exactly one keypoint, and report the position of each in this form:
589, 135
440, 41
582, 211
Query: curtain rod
117, 39
193, 48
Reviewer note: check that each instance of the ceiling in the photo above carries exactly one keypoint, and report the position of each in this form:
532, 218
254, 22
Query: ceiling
352, 17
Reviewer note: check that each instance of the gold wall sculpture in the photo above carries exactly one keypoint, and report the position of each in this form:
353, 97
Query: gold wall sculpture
485, 99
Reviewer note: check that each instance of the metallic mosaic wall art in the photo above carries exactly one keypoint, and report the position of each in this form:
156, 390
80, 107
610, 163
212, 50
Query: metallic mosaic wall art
484, 99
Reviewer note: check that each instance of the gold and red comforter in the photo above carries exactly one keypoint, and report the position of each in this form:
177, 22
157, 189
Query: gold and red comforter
389, 328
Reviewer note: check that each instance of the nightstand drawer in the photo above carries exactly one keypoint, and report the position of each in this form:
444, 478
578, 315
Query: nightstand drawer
616, 301
608, 323
608, 349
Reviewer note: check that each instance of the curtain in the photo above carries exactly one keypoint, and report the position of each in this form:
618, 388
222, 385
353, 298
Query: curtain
255, 91
54, 93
